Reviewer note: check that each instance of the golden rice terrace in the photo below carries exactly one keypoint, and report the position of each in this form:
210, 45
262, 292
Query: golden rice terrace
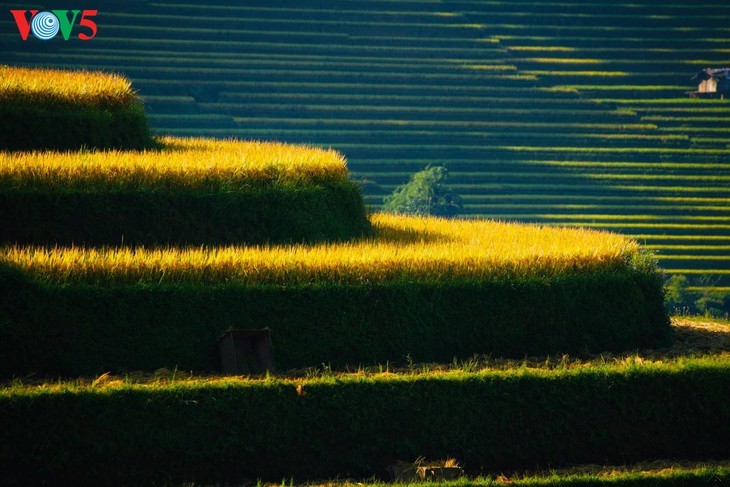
567, 113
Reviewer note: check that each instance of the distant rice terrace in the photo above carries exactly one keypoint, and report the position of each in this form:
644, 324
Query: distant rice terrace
559, 112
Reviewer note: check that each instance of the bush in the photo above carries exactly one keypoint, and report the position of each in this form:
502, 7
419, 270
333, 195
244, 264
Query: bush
676, 294
425, 194
680, 300
713, 303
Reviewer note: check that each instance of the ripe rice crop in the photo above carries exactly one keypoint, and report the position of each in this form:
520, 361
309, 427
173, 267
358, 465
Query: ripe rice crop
85, 88
187, 191
191, 164
460, 286
404, 249
68, 110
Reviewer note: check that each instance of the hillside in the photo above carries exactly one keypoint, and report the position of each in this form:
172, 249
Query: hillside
132, 279
555, 112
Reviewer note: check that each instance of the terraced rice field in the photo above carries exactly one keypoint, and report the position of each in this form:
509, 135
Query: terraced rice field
405, 249
177, 164
40, 86
558, 112
638, 58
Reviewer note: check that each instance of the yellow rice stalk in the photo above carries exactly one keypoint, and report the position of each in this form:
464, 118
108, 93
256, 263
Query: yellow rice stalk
182, 163
34, 85
405, 249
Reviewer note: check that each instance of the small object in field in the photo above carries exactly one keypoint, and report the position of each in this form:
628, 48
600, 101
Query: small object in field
439, 473
246, 351
713, 83
422, 469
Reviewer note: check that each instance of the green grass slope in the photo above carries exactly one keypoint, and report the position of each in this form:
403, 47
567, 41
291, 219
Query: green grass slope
229, 430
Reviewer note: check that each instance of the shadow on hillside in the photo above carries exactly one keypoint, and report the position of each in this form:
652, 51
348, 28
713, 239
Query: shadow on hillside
393, 234
384, 234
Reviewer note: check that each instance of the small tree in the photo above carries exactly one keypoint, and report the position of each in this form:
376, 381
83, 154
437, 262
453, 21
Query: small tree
709, 301
425, 194
676, 294
712, 304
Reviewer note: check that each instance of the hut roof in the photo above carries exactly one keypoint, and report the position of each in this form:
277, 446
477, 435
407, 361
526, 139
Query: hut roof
718, 73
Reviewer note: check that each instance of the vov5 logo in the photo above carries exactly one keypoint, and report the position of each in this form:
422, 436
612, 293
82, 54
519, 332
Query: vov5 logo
46, 25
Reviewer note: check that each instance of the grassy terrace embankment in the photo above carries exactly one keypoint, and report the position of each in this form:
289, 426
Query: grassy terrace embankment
227, 430
656, 474
187, 191
430, 288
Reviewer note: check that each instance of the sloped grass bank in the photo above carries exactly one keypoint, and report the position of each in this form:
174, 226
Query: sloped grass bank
229, 430
426, 288
657, 474
67, 110
189, 191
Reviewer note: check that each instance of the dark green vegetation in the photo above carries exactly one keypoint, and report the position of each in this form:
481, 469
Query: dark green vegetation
561, 111
706, 301
426, 193
91, 328
24, 127
356, 426
268, 212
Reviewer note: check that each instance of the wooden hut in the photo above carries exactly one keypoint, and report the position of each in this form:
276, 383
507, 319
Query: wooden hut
713, 83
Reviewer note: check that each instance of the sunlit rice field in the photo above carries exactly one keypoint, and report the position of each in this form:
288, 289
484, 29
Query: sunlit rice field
33, 85
404, 249
181, 163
